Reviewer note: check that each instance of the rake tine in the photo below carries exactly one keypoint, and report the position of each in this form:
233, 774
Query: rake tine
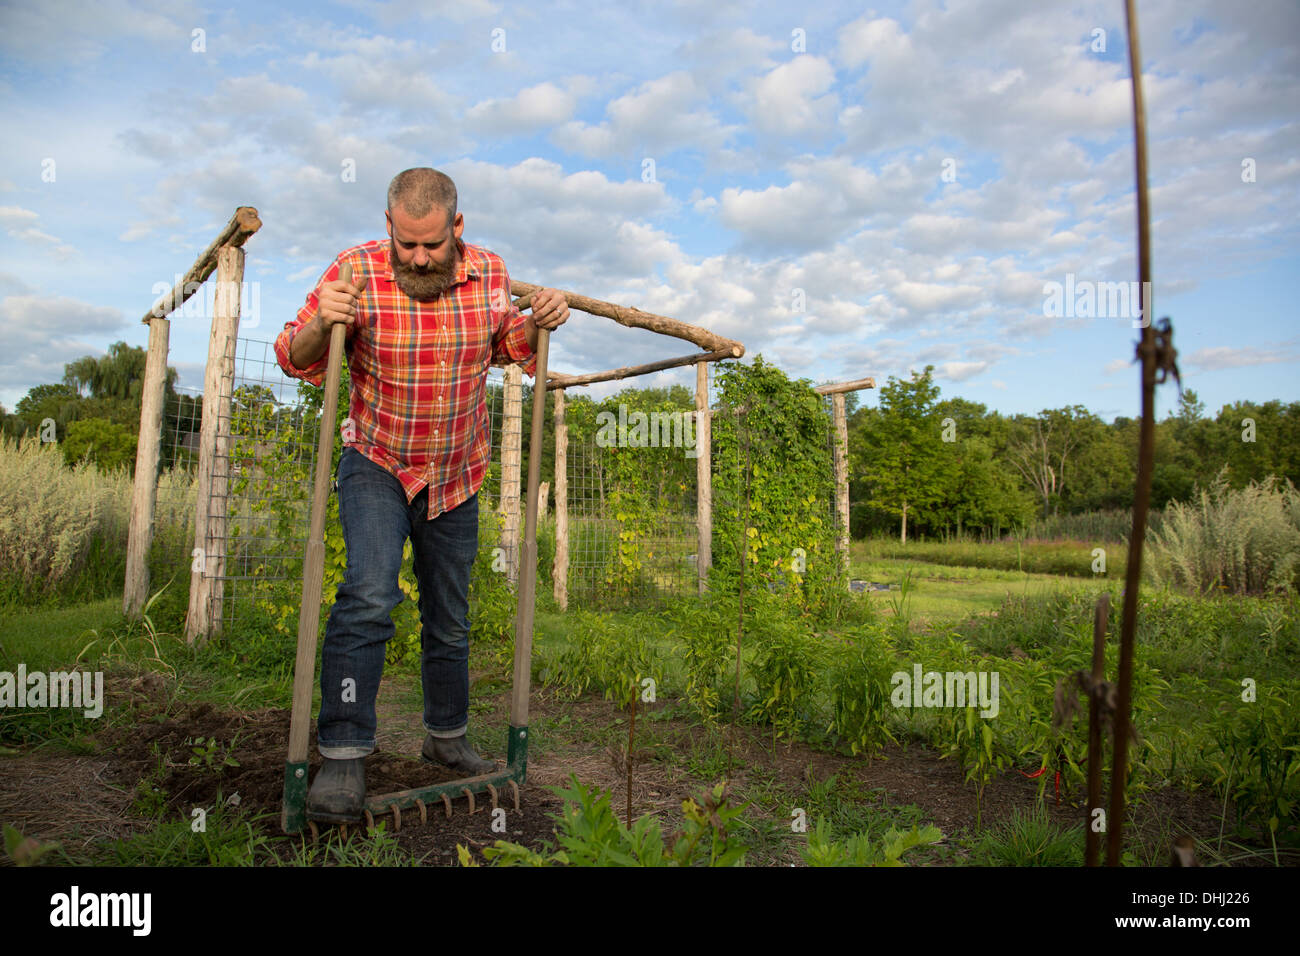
446, 802
370, 822
469, 794
424, 816
493, 790
514, 788
315, 830
397, 818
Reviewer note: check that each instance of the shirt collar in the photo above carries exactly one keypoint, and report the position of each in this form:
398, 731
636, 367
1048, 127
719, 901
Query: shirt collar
468, 269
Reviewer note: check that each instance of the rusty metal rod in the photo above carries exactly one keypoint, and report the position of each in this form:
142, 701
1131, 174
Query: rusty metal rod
1146, 455
1092, 838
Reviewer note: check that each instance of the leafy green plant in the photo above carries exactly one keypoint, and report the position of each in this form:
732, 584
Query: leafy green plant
787, 668
860, 692
1258, 759
28, 851
589, 833
772, 485
861, 850
1246, 540
150, 798
207, 754
704, 628
972, 743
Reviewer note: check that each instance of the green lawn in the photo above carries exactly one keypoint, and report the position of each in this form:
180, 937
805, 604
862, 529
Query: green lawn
48, 639
940, 593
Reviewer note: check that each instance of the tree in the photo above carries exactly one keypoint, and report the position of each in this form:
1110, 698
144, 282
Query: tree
901, 457
58, 402
107, 444
118, 374
1043, 448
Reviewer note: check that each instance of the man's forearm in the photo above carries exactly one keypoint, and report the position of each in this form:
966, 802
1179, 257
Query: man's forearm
309, 345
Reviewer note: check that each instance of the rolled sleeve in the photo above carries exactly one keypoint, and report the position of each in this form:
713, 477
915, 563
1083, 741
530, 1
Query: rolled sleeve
510, 343
513, 345
314, 373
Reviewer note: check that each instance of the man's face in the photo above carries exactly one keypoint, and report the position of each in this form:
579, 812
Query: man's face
423, 251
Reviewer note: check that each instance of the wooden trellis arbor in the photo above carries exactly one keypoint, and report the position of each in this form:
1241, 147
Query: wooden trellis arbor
837, 391
225, 256
716, 348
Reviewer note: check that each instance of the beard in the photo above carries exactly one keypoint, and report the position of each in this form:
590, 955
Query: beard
427, 283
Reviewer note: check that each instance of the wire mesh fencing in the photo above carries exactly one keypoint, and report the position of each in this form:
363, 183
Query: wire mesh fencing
632, 516
268, 460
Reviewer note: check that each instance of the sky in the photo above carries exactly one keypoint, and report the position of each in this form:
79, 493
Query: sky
850, 192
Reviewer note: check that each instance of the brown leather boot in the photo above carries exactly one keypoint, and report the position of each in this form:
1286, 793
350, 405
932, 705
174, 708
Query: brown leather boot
338, 794
456, 753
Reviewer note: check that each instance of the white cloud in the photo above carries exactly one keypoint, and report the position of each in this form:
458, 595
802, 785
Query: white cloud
656, 119
23, 225
794, 99
39, 334
536, 107
960, 371
1226, 356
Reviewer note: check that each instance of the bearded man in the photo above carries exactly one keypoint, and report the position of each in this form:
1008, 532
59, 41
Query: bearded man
426, 314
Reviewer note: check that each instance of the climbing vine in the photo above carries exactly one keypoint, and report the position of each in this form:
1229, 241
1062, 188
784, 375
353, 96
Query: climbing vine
772, 488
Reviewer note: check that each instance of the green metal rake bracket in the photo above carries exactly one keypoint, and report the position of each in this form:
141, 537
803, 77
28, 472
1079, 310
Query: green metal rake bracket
496, 785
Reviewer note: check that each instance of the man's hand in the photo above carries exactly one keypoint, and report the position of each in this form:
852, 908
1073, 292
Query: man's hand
338, 303
549, 309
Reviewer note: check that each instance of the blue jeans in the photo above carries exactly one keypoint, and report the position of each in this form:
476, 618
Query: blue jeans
377, 520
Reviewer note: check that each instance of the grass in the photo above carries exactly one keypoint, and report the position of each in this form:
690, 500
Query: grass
49, 639
1193, 653
941, 592
1029, 838
1069, 558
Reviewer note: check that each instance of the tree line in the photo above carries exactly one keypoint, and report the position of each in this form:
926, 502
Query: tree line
919, 464
924, 465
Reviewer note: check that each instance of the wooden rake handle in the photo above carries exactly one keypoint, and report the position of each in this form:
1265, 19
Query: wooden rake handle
528, 569
313, 566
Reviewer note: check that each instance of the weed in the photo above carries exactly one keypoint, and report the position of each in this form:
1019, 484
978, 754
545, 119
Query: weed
1029, 838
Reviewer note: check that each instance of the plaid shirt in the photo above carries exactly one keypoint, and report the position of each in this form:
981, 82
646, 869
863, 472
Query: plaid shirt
419, 369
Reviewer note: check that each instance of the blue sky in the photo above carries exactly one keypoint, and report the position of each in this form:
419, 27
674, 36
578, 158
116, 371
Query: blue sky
921, 171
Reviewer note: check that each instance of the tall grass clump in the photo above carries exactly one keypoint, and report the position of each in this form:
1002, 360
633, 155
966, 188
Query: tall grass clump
51, 516
1108, 524
63, 530
1242, 540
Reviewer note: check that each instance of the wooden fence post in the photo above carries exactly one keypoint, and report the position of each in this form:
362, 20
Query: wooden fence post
560, 569
703, 477
206, 590
841, 478
144, 495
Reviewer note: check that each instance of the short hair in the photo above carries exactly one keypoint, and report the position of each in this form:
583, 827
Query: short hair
419, 190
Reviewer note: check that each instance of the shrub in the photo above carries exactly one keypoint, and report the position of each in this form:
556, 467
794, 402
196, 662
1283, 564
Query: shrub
51, 516
860, 692
1243, 540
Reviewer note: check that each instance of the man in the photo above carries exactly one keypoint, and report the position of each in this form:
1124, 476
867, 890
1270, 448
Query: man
426, 314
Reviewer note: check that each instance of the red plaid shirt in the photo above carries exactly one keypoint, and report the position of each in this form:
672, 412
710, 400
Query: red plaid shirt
419, 369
